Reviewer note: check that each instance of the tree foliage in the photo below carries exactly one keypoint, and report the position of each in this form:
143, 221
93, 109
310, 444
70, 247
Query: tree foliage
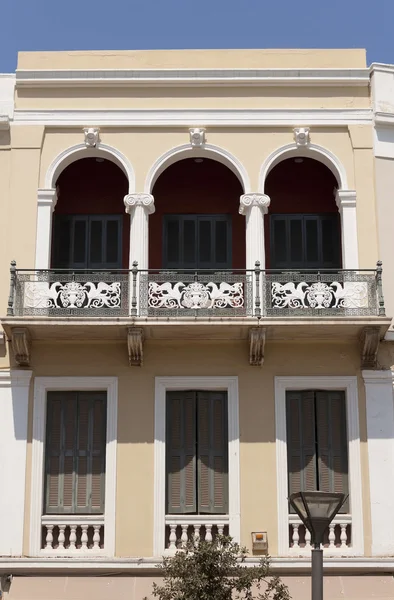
217, 571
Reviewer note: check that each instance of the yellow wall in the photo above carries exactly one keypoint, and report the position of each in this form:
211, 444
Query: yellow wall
135, 478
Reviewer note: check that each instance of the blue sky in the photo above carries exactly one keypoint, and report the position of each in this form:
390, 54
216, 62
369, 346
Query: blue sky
155, 24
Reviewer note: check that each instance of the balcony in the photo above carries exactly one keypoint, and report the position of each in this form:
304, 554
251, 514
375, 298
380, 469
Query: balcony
168, 304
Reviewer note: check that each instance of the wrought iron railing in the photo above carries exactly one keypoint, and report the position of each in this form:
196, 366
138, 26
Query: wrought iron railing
190, 294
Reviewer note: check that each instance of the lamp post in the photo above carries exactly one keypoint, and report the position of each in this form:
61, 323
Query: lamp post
316, 510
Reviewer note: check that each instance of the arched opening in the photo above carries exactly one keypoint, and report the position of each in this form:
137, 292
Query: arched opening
90, 227
302, 227
196, 224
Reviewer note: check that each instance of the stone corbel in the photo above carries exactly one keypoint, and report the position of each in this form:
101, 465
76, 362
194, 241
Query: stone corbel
135, 345
131, 201
256, 346
302, 137
92, 136
369, 346
21, 345
197, 137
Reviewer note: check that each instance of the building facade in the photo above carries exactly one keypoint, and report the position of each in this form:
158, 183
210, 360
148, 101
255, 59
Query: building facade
194, 314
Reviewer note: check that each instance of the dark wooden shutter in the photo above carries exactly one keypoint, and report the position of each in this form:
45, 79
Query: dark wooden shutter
212, 452
181, 452
75, 452
332, 442
301, 442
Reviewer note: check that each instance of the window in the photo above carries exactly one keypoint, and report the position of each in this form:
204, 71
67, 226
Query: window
317, 452
196, 452
197, 242
87, 242
75, 452
305, 241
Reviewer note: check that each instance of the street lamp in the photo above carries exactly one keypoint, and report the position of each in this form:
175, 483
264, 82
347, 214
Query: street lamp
316, 510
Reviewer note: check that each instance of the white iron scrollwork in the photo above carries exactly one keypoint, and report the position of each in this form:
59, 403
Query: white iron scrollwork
195, 295
319, 295
72, 295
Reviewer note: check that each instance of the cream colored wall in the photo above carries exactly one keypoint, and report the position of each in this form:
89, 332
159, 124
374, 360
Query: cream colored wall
192, 59
110, 98
135, 493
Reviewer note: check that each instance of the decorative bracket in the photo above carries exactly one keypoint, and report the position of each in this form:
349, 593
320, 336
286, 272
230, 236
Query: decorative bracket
302, 136
256, 346
135, 345
21, 344
91, 136
369, 345
197, 137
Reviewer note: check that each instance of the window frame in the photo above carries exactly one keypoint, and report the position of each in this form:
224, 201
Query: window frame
197, 218
304, 218
162, 385
349, 385
41, 386
88, 219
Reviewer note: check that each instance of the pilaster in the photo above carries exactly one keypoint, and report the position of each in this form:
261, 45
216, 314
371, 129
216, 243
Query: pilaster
46, 202
346, 202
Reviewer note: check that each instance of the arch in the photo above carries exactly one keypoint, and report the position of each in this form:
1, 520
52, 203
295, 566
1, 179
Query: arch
311, 151
207, 151
74, 153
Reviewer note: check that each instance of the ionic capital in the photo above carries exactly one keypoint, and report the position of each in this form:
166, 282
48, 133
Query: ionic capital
246, 202
131, 201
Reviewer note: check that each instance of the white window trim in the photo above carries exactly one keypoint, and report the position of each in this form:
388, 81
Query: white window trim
41, 386
162, 385
349, 385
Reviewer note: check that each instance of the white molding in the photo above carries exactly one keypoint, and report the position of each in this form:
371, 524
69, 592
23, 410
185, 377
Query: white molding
380, 435
242, 117
192, 77
315, 151
177, 153
48, 564
349, 385
162, 385
73, 153
46, 202
41, 386
14, 407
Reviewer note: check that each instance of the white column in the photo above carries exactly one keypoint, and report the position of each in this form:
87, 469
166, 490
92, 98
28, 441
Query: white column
14, 400
254, 207
346, 202
139, 207
46, 202
380, 434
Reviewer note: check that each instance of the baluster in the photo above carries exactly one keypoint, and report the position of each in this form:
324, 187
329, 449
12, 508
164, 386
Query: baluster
61, 537
220, 528
343, 536
307, 538
331, 535
184, 536
73, 537
172, 537
208, 532
11, 297
257, 302
134, 273
296, 535
197, 534
96, 537
84, 537
49, 537
379, 289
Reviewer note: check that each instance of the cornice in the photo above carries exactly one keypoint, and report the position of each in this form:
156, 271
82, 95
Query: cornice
47, 564
263, 117
191, 77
